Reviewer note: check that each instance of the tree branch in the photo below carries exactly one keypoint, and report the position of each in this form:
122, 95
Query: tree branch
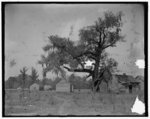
85, 53
100, 39
104, 36
90, 74
79, 61
78, 70
110, 44
92, 57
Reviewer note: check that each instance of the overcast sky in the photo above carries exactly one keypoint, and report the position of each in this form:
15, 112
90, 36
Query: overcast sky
27, 27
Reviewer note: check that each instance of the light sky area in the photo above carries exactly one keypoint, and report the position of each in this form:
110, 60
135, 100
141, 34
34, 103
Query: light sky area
27, 27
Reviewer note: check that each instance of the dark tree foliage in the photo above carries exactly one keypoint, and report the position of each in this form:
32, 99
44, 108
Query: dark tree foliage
62, 53
34, 75
23, 75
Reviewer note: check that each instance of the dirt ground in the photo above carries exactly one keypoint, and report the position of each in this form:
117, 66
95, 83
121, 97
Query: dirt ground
63, 103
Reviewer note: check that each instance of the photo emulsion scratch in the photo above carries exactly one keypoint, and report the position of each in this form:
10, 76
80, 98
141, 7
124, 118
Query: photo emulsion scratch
74, 59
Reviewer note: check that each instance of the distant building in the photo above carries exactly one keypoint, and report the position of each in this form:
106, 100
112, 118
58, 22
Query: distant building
63, 86
129, 82
80, 86
34, 86
141, 80
47, 87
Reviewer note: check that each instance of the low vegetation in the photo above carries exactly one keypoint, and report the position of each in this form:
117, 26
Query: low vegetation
63, 103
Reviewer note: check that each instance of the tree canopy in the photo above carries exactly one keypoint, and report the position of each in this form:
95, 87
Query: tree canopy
62, 53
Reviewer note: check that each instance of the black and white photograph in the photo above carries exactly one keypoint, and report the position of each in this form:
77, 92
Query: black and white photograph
68, 59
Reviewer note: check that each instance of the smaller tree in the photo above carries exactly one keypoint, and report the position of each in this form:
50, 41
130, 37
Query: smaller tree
110, 64
23, 74
34, 75
51, 66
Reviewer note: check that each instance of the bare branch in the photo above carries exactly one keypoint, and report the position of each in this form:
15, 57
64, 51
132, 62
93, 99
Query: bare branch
85, 53
111, 44
77, 70
79, 61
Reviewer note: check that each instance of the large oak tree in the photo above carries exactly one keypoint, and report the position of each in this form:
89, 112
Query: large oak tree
94, 40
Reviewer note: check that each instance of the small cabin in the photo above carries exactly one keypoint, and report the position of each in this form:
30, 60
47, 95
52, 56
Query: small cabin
34, 86
84, 86
47, 87
63, 86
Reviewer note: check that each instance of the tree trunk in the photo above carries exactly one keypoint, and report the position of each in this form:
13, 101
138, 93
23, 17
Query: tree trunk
96, 72
23, 87
95, 76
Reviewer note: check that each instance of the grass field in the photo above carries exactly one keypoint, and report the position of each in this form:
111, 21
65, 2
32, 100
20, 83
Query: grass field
64, 103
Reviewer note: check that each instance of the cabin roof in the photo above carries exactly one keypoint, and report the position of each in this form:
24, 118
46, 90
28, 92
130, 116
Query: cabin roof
127, 79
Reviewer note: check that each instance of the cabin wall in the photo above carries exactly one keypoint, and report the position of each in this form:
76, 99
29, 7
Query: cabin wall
63, 87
